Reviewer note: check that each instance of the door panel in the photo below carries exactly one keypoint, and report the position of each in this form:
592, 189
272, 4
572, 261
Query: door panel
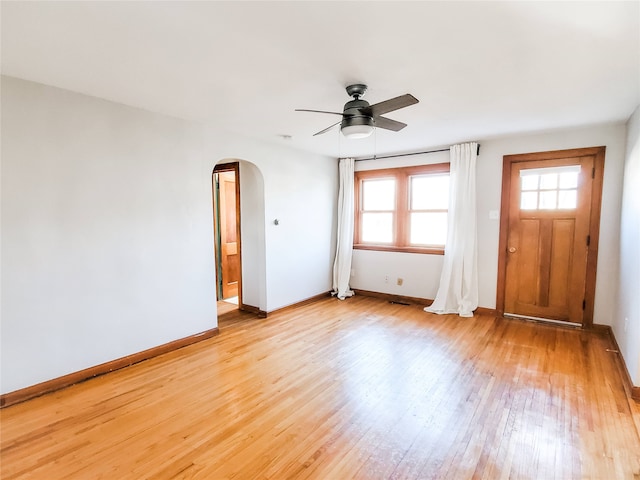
547, 238
560, 262
228, 235
525, 257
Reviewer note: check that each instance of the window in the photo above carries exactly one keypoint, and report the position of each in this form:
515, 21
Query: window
551, 188
402, 209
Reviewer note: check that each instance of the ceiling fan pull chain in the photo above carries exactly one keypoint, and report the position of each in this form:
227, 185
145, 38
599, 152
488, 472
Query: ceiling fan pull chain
375, 143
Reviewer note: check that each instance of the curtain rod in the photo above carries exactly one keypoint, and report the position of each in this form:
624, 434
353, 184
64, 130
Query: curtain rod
408, 154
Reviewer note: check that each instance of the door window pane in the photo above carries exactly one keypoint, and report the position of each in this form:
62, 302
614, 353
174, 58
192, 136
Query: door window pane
549, 181
530, 182
548, 200
569, 179
377, 227
529, 200
549, 188
567, 199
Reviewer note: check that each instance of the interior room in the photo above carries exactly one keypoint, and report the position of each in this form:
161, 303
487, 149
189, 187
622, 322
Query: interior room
172, 218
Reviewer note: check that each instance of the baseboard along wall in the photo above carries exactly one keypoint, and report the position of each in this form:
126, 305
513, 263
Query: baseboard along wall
423, 302
54, 384
631, 390
49, 386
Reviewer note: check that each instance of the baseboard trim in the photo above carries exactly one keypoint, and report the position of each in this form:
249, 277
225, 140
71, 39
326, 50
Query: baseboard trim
54, 384
630, 389
491, 312
422, 302
603, 330
254, 310
307, 301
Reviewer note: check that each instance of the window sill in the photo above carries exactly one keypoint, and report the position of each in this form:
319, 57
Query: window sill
391, 248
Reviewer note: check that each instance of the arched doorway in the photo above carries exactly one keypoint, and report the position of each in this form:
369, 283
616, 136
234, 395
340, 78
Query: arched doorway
240, 184
227, 236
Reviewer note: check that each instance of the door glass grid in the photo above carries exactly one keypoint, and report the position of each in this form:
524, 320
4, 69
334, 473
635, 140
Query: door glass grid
553, 188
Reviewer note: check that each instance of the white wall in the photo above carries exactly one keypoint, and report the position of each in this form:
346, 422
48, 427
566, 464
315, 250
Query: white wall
300, 190
421, 273
254, 277
626, 324
107, 229
107, 237
106, 232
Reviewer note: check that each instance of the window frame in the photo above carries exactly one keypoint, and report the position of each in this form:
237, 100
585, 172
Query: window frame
401, 213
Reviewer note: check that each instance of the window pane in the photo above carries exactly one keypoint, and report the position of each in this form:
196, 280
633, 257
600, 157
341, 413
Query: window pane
548, 200
569, 179
429, 192
530, 182
428, 228
567, 199
379, 194
377, 227
528, 200
549, 181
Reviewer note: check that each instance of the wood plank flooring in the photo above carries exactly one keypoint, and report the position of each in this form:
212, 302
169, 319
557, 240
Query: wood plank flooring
225, 307
337, 390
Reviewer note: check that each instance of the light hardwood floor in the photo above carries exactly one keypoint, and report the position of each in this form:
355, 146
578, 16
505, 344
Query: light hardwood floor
337, 390
226, 307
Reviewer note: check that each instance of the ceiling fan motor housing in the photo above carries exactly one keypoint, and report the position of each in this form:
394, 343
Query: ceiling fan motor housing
353, 113
359, 119
351, 120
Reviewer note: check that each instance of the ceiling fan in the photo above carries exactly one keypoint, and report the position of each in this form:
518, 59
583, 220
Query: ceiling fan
359, 118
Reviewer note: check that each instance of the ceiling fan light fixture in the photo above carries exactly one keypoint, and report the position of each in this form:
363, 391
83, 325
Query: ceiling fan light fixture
357, 127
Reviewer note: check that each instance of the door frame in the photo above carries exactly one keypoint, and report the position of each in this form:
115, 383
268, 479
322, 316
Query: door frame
227, 167
594, 221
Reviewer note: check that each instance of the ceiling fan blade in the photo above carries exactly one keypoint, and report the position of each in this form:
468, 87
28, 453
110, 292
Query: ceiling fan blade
327, 129
391, 105
317, 111
388, 124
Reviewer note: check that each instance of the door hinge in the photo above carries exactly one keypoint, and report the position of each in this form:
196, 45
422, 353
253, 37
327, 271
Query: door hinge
593, 172
584, 304
588, 240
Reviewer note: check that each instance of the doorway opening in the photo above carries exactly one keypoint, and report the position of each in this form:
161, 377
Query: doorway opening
549, 227
227, 236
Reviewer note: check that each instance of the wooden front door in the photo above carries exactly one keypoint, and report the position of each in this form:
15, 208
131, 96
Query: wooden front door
227, 231
551, 234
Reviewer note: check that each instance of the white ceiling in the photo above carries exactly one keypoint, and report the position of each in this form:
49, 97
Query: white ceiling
479, 69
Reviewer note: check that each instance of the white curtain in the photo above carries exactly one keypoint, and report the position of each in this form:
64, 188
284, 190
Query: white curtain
458, 290
344, 244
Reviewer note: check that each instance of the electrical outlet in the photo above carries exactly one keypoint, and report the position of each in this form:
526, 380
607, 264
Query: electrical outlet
386, 279
399, 281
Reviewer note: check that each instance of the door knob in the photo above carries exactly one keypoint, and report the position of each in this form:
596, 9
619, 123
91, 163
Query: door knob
512, 249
